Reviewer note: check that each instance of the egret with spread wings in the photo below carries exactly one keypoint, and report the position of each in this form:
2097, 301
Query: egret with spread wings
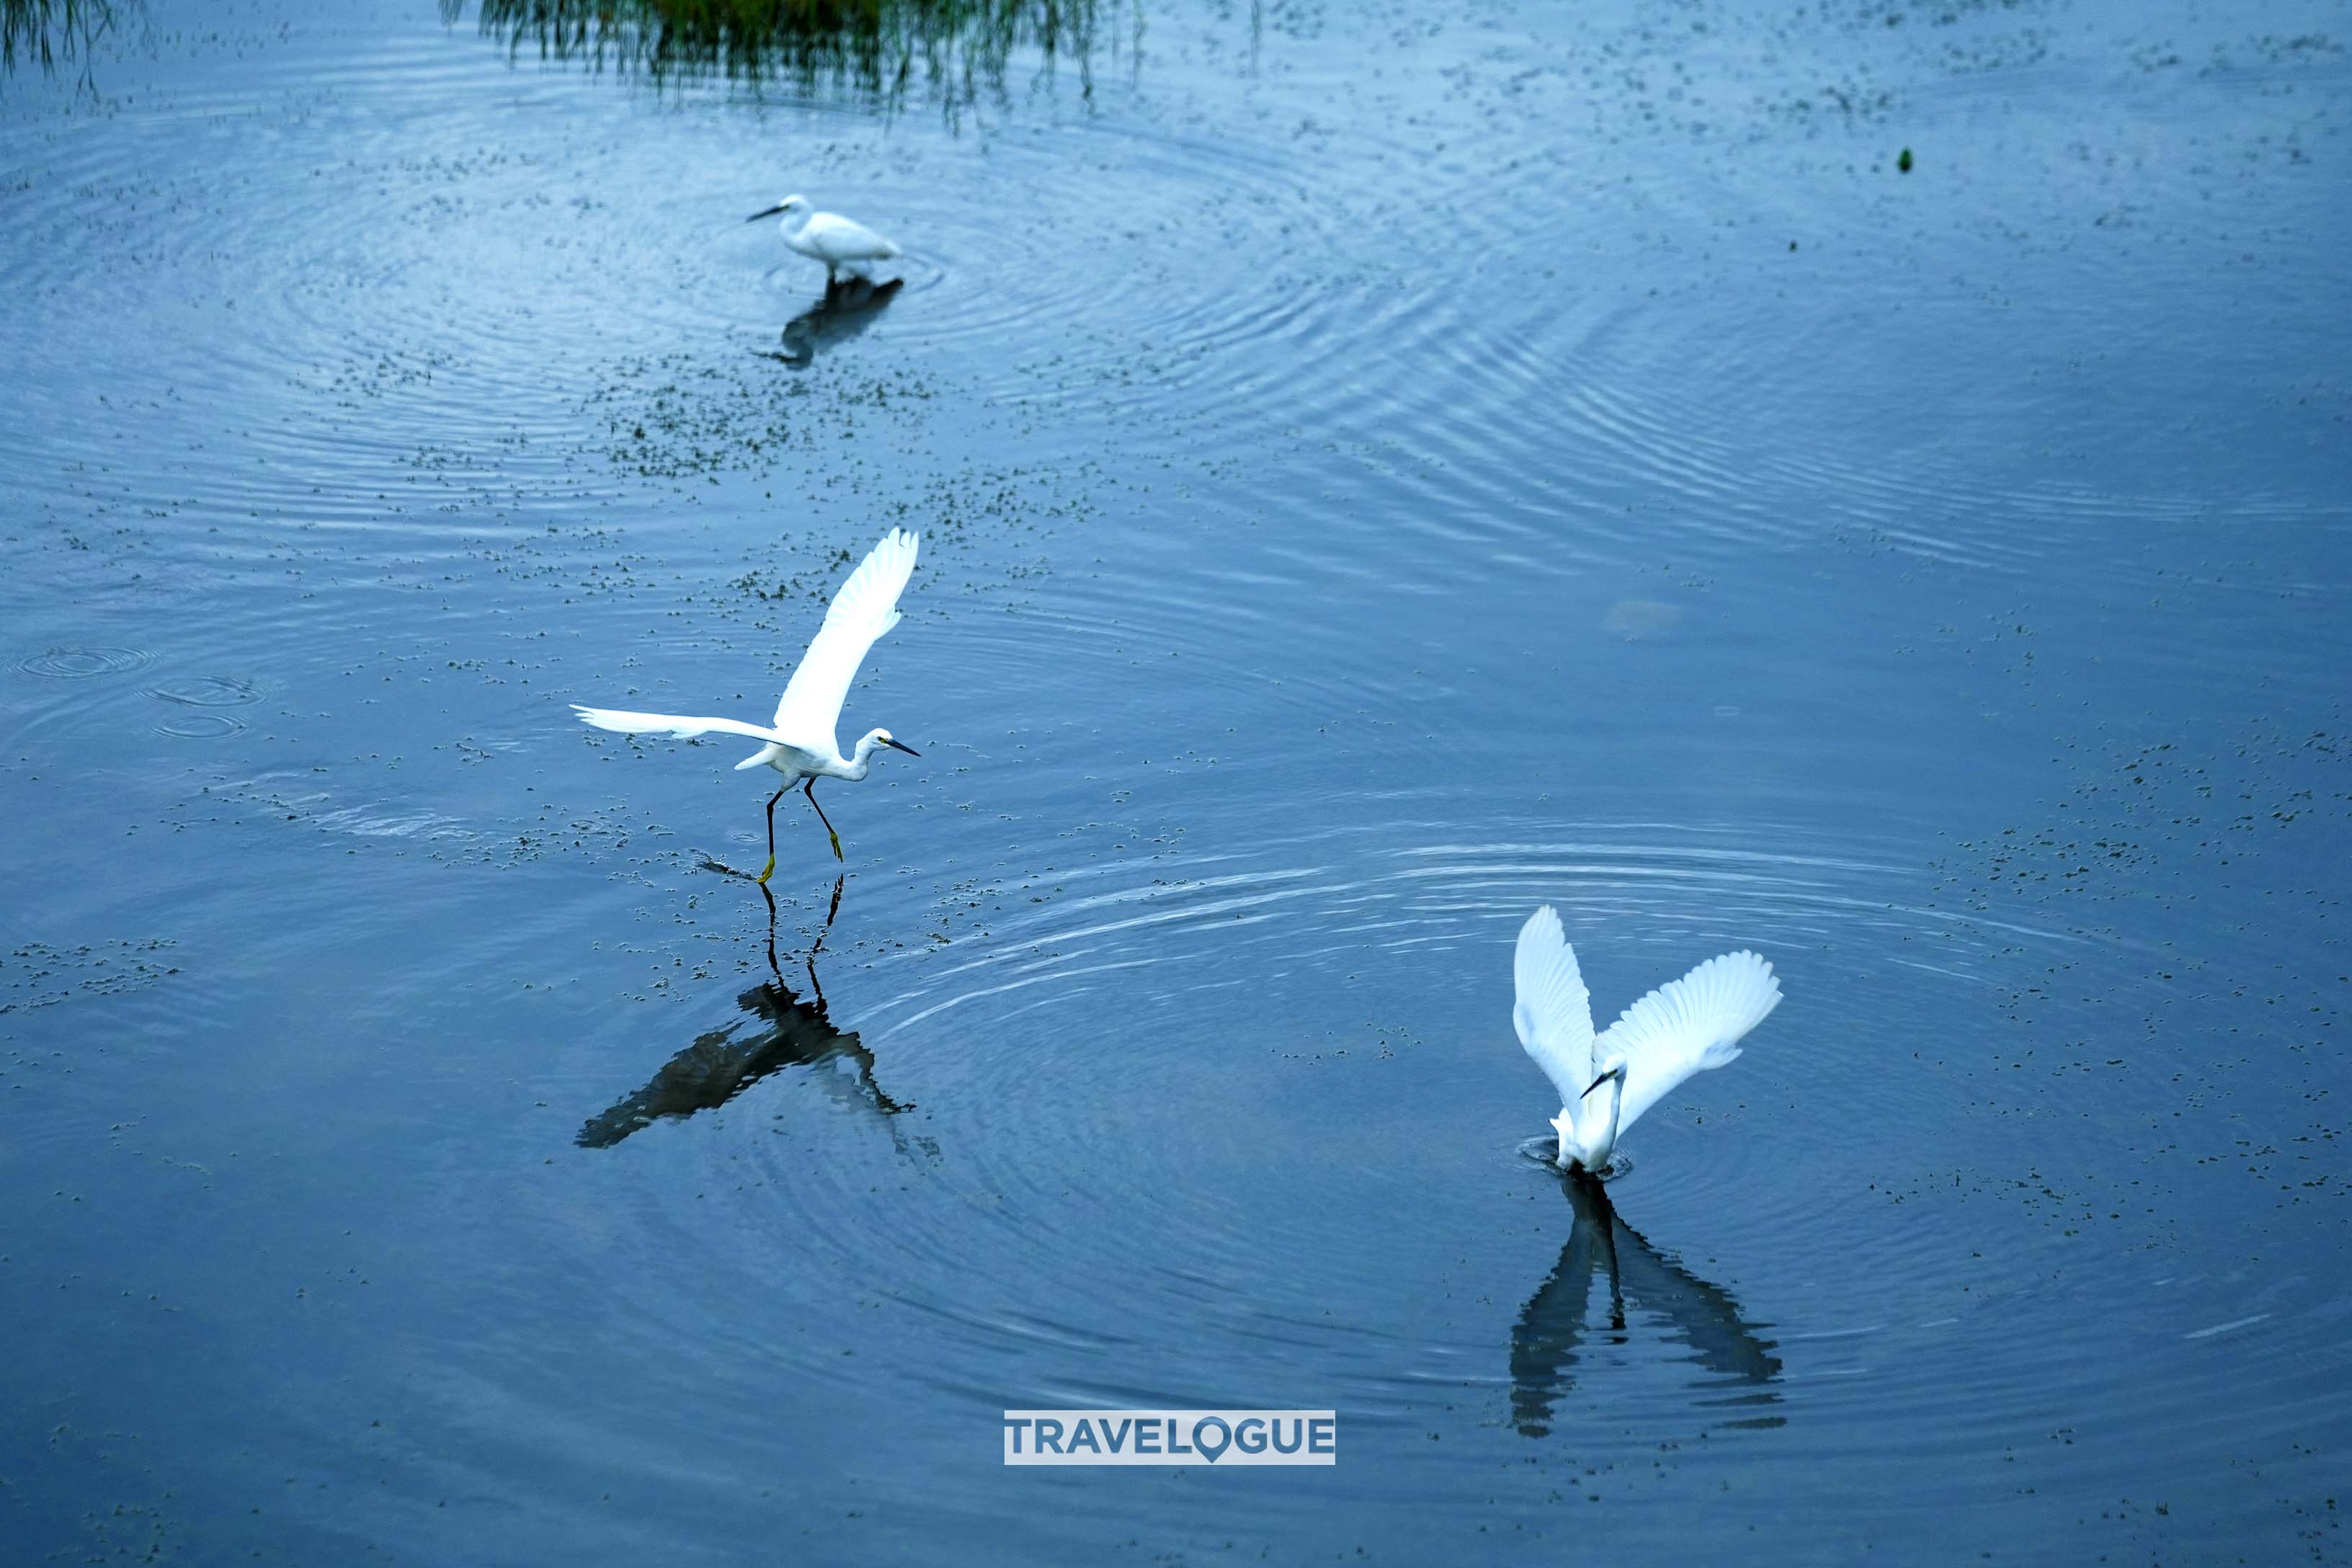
800, 743
1606, 1083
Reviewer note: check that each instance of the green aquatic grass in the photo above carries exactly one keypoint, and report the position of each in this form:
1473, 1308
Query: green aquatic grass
45, 32
954, 49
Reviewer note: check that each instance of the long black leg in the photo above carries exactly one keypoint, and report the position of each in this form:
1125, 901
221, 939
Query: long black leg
818, 946
770, 868
771, 935
809, 789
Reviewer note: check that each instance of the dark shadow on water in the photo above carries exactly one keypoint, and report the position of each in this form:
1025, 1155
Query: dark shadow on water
849, 306
1554, 1327
956, 51
788, 1031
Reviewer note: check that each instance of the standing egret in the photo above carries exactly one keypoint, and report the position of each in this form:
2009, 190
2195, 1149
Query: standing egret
829, 237
1686, 1027
799, 743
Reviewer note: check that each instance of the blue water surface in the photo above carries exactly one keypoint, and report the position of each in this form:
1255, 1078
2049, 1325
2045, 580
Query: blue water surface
1378, 469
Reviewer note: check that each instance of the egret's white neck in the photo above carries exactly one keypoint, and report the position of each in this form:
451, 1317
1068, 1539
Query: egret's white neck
1588, 1130
862, 760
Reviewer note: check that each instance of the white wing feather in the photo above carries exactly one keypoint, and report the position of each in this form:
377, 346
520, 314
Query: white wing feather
865, 607
1554, 1012
1687, 1026
624, 722
845, 240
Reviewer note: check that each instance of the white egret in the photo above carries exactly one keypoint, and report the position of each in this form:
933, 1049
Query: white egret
829, 237
800, 743
1686, 1027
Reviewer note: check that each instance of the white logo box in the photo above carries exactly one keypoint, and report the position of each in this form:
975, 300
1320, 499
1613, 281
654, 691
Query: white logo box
1172, 1438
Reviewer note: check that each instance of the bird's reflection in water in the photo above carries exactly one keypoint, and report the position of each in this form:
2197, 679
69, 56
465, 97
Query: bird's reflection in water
850, 305
788, 1032
1556, 1324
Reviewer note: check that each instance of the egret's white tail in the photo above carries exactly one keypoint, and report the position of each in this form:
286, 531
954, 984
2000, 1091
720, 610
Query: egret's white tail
1708, 1010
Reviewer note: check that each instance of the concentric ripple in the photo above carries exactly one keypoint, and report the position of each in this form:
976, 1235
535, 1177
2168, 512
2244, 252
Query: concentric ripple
1379, 471
1333, 1015
83, 663
208, 692
1330, 1016
200, 726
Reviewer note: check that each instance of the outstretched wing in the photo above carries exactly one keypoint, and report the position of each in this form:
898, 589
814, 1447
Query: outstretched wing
865, 607
624, 722
1554, 1013
1689, 1025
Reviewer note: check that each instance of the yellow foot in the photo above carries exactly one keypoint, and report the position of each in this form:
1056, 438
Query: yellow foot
837, 845
767, 870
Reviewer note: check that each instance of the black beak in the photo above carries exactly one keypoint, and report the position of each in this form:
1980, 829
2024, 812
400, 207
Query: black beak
1604, 1077
908, 750
770, 213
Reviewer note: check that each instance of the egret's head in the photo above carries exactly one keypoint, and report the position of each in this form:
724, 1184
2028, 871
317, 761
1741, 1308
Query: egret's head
883, 738
1597, 1111
791, 206
1611, 1065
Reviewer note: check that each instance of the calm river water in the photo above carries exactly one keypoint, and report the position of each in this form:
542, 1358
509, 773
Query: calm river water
1379, 469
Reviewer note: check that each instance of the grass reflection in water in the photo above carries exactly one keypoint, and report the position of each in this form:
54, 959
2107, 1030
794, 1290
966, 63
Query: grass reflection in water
955, 50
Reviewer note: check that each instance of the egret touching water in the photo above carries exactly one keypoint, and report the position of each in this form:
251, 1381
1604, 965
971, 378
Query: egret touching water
829, 237
799, 743
1683, 1028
